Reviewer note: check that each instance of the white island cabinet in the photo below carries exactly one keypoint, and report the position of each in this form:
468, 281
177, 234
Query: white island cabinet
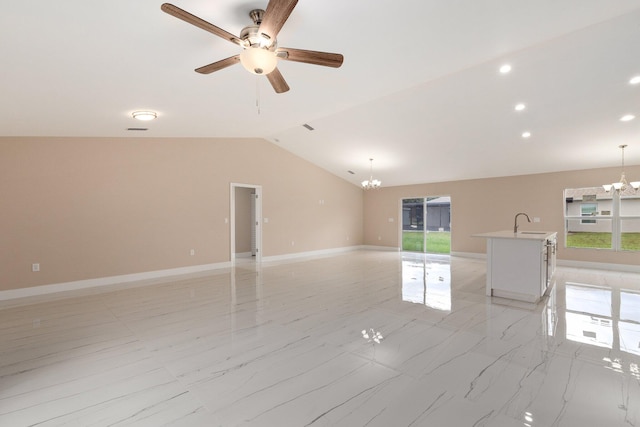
520, 265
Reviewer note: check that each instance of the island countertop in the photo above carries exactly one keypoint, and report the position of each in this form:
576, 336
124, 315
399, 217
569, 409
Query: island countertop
521, 235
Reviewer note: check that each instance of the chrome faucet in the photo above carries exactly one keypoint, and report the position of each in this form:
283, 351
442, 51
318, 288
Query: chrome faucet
515, 222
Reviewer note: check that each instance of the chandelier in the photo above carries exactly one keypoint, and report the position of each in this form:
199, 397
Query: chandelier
371, 183
621, 185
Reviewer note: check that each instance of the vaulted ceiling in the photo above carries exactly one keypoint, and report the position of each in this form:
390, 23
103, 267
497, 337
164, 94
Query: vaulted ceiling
419, 90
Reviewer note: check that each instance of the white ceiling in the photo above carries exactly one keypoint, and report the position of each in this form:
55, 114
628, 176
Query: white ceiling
419, 90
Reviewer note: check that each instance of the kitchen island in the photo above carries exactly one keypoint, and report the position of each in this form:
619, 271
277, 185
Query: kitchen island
520, 265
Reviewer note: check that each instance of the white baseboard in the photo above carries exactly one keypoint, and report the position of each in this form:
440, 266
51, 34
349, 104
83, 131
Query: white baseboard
151, 275
105, 281
311, 254
380, 248
628, 268
181, 271
469, 255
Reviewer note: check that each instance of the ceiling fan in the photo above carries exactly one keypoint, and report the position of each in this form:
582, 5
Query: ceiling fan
260, 52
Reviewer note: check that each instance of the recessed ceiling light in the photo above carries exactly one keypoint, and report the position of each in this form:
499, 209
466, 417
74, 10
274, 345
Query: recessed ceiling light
520, 107
627, 118
526, 134
505, 69
144, 115
635, 80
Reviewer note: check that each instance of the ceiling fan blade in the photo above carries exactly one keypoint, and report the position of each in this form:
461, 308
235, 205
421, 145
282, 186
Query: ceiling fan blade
310, 57
277, 81
275, 16
198, 22
218, 65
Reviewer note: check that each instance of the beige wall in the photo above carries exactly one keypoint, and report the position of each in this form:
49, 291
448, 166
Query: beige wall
485, 205
98, 207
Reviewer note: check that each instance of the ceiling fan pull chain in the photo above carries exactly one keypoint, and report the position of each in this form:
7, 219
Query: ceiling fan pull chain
258, 94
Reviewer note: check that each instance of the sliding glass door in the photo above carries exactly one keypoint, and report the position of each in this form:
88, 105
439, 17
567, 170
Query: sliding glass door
426, 224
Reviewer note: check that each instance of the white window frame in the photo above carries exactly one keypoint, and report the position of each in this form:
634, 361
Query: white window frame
616, 221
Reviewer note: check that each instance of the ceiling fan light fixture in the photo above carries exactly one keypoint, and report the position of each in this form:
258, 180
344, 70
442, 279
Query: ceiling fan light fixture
257, 60
144, 115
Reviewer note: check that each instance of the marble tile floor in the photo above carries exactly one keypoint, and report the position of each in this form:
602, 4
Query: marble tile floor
362, 339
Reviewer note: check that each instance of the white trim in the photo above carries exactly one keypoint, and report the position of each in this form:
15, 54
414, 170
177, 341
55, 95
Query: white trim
381, 248
630, 268
105, 281
232, 219
180, 271
311, 254
469, 255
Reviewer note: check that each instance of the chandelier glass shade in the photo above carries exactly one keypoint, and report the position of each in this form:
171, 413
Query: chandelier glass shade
622, 185
371, 184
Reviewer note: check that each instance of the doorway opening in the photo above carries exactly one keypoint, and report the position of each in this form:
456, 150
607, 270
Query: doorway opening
246, 219
426, 225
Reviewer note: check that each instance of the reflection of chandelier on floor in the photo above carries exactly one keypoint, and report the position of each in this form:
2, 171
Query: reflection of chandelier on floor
372, 335
371, 183
621, 185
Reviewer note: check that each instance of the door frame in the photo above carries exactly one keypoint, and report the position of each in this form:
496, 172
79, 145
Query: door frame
424, 220
232, 219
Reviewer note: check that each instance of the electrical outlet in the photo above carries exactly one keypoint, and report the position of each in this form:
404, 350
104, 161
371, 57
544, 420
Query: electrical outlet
379, 237
536, 219
35, 267
193, 252
391, 219
293, 243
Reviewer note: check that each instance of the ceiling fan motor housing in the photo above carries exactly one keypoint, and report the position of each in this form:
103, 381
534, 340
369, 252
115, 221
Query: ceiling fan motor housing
251, 35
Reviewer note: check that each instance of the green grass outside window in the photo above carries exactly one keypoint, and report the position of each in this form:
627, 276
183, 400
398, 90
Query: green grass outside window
630, 241
438, 242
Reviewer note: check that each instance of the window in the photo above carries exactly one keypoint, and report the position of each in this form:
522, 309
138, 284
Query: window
613, 219
630, 223
588, 209
426, 224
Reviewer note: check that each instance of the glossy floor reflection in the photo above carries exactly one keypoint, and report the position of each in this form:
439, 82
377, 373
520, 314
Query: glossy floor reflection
360, 339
